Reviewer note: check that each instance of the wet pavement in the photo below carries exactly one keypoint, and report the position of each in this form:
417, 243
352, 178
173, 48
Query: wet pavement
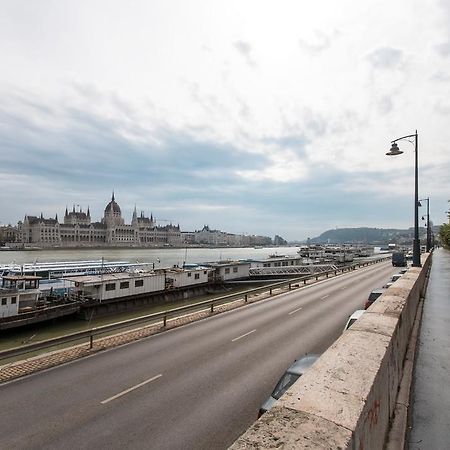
430, 417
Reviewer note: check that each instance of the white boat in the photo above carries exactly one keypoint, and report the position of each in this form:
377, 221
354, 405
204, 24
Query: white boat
61, 269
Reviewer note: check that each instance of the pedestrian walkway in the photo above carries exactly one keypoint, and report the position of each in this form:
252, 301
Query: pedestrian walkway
430, 418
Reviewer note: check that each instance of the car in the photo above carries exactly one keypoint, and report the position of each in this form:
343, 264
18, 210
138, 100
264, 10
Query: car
373, 296
292, 374
399, 259
353, 318
403, 271
388, 285
396, 277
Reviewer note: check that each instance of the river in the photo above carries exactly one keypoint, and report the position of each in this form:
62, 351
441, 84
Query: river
161, 257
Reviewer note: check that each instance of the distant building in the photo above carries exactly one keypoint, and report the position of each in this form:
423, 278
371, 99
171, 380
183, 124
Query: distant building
77, 230
278, 240
209, 237
8, 234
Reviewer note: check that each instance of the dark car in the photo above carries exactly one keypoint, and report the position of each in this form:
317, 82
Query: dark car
373, 296
399, 259
292, 374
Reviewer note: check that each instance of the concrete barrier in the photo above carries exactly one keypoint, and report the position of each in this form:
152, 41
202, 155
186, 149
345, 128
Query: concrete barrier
347, 399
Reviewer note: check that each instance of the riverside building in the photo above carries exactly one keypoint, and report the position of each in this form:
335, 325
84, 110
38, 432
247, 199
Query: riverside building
77, 230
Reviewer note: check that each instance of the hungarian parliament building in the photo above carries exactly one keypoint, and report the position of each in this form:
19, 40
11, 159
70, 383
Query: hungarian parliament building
77, 230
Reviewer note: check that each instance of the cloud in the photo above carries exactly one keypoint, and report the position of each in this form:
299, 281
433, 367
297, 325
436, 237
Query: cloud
317, 43
245, 49
385, 58
443, 49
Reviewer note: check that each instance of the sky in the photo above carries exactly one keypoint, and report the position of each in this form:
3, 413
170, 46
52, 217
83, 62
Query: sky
251, 116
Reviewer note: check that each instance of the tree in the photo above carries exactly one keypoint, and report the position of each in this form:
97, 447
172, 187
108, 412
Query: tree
444, 233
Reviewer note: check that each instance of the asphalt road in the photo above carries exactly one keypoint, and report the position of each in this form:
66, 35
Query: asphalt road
196, 387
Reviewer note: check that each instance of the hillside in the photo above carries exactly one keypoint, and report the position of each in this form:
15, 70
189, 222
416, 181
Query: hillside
364, 236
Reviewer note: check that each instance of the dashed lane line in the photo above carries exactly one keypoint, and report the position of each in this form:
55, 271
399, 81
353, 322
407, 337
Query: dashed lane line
324, 297
240, 337
295, 310
126, 391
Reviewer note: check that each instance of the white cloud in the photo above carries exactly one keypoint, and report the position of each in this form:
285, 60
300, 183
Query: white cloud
305, 85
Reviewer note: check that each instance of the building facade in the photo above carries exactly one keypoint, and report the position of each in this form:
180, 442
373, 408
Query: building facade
77, 230
209, 237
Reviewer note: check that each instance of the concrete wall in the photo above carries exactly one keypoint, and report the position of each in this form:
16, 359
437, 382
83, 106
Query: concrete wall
346, 400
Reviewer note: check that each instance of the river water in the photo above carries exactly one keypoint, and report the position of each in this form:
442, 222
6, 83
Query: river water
165, 257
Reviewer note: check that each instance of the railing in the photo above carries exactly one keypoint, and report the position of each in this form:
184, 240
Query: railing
176, 312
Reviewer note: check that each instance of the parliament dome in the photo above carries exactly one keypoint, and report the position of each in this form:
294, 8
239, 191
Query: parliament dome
112, 206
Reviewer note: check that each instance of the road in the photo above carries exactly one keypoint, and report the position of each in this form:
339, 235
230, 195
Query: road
195, 387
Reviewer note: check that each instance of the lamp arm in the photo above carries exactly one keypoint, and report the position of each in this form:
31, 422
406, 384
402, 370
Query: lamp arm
404, 137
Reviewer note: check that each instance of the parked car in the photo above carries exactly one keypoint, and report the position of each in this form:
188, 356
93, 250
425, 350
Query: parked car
353, 318
292, 374
373, 296
396, 277
403, 271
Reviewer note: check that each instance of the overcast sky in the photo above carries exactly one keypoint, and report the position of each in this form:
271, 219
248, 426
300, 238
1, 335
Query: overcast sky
259, 117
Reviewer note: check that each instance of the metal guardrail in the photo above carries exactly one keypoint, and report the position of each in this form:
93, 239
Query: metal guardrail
173, 313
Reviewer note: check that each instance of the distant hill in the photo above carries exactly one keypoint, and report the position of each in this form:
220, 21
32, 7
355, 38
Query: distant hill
364, 236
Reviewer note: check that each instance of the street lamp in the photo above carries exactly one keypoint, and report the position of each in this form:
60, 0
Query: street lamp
394, 151
428, 222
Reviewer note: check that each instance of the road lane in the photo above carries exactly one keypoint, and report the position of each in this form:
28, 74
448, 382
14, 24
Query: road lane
211, 389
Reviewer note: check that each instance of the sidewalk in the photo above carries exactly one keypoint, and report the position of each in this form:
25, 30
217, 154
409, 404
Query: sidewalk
430, 416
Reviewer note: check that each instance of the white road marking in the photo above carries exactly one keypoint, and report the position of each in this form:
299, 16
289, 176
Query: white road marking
126, 391
240, 337
324, 297
343, 287
295, 310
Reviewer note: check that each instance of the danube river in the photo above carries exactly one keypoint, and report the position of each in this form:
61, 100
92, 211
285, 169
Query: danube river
161, 257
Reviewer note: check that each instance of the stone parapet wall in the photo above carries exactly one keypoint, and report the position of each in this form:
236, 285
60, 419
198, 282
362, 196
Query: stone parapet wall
347, 399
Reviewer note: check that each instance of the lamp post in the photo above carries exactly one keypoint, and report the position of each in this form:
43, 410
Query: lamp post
394, 151
428, 222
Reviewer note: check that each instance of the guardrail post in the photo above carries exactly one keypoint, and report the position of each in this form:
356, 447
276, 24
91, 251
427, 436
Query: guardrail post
245, 298
304, 281
317, 277
270, 291
327, 274
91, 341
290, 286
335, 272
164, 321
212, 308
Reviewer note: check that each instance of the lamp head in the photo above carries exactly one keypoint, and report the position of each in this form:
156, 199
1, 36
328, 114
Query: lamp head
394, 151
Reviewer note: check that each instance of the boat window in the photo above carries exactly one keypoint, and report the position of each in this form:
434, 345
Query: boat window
110, 287
13, 300
139, 283
124, 285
